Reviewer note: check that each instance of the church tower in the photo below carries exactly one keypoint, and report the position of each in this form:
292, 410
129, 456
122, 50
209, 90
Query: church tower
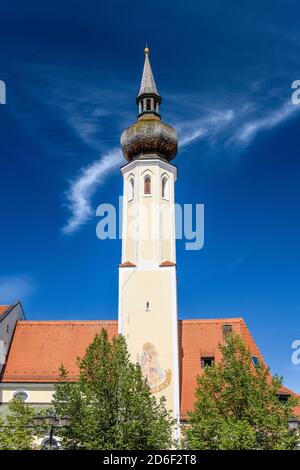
147, 273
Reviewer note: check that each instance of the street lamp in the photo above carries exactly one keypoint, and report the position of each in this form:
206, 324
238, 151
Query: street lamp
294, 424
38, 420
52, 421
66, 421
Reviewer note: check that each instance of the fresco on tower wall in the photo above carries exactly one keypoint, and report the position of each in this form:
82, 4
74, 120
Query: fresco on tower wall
157, 378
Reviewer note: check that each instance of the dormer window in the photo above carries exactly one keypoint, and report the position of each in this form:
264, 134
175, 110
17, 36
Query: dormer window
255, 361
207, 362
147, 185
227, 330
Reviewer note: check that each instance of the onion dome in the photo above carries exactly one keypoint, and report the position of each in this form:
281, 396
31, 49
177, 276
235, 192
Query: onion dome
149, 137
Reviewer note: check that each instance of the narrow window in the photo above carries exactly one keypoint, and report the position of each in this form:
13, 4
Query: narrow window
147, 185
207, 361
142, 106
164, 187
227, 330
147, 306
148, 104
131, 189
7, 328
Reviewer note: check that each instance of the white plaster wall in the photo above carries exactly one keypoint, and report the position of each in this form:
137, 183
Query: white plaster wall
148, 220
38, 393
149, 240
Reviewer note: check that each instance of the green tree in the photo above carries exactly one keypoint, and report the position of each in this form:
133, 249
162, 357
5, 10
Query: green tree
237, 407
111, 406
16, 430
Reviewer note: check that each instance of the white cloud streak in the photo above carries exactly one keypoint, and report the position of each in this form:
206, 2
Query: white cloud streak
213, 124
13, 288
234, 127
82, 189
248, 131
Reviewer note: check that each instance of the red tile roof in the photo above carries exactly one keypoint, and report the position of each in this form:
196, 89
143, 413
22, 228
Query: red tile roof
4, 309
201, 338
39, 348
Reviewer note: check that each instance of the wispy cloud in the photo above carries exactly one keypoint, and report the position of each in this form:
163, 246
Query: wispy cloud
246, 133
83, 187
14, 288
212, 124
234, 127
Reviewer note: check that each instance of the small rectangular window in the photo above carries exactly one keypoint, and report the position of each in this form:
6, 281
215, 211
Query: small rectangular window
283, 397
255, 361
227, 330
207, 361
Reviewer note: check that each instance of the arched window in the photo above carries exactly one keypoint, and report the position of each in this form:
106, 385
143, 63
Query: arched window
147, 185
148, 104
20, 395
50, 443
130, 189
165, 187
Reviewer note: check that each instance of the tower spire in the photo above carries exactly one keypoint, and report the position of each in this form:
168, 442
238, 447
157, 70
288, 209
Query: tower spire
149, 136
148, 85
148, 98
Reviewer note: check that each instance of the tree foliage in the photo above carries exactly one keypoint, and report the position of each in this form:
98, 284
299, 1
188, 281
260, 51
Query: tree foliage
111, 406
17, 430
237, 407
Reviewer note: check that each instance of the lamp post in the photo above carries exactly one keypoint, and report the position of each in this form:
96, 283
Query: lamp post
52, 421
294, 424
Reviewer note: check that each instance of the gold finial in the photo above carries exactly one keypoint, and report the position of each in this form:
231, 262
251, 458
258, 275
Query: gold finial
146, 50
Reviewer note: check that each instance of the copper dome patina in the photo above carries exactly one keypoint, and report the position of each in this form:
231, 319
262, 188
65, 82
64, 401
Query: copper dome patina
149, 135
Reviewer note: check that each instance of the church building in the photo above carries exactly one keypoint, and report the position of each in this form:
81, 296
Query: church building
170, 350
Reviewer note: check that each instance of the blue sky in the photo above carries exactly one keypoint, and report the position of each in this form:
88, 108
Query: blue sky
224, 70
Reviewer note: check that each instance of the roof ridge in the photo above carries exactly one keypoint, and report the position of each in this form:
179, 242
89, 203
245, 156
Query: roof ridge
62, 322
211, 320
183, 320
